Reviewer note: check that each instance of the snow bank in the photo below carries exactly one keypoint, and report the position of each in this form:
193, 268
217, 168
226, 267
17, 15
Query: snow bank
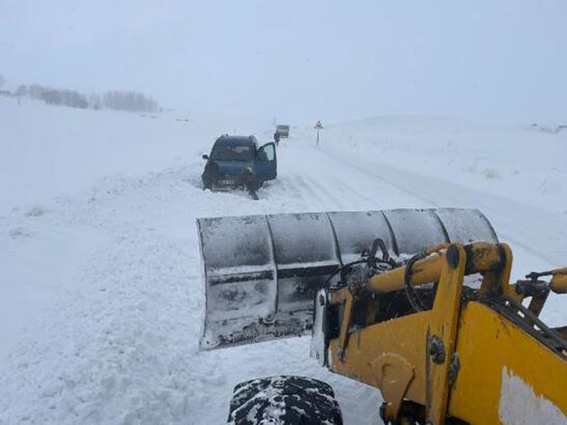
50, 151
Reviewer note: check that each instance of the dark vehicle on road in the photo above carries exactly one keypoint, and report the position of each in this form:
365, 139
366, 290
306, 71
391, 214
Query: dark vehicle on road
237, 162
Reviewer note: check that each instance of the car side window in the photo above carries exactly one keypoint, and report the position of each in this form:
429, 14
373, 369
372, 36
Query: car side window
269, 152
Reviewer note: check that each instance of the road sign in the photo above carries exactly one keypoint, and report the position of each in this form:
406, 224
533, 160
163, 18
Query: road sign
283, 130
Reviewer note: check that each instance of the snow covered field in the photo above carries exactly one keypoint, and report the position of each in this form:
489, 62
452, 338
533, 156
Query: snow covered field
101, 297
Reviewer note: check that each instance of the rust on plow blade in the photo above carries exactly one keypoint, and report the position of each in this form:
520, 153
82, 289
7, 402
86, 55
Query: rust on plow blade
262, 272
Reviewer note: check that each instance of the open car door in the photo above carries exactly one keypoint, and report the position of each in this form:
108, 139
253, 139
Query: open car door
266, 162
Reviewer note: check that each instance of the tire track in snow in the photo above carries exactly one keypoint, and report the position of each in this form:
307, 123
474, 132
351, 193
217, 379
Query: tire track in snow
437, 193
325, 197
353, 190
317, 174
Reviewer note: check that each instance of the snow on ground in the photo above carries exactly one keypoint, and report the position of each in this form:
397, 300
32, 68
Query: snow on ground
52, 151
101, 293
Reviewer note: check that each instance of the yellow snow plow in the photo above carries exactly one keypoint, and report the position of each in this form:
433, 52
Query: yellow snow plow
417, 303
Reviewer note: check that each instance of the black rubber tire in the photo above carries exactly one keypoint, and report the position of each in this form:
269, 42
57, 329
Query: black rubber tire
286, 400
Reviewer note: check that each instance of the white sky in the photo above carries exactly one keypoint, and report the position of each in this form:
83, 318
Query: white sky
301, 60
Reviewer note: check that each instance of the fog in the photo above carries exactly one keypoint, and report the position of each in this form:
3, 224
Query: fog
494, 61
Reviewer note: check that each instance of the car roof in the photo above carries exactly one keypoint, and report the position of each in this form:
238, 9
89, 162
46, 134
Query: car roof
236, 140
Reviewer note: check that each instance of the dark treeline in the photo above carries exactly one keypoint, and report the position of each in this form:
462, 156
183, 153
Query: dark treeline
131, 101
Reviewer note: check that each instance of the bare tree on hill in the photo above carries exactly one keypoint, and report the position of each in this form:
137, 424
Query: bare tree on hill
129, 101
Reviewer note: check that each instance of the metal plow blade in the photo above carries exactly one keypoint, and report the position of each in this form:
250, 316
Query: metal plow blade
262, 272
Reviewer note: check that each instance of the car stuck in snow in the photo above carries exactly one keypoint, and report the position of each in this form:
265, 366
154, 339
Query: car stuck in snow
237, 162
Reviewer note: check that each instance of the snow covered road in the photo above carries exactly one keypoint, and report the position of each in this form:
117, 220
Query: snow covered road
109, 280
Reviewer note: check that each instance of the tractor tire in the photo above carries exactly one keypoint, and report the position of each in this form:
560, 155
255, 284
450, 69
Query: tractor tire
285, 400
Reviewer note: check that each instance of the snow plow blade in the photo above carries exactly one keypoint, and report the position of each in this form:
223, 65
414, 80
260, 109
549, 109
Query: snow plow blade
262, 272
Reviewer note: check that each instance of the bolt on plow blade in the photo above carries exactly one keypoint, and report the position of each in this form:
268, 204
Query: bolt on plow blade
262, 272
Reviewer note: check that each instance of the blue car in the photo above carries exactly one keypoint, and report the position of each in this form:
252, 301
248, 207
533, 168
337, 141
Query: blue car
237, 162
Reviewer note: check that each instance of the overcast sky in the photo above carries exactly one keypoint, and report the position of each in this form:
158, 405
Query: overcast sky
300, 60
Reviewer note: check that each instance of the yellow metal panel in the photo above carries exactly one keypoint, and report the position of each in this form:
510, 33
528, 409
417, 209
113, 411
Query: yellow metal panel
405, 337
487, 343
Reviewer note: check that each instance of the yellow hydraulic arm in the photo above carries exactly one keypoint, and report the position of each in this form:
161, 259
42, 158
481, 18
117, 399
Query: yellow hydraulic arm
441, 352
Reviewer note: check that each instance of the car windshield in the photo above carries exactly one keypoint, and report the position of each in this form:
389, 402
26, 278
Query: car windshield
232, 153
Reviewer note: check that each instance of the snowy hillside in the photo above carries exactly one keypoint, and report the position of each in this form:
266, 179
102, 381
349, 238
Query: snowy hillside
50, 151
101, 298
519, 164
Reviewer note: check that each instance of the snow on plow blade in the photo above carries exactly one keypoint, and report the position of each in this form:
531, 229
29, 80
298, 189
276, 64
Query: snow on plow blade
262, 272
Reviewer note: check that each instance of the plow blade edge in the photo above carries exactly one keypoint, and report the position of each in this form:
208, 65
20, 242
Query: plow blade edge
262, 272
